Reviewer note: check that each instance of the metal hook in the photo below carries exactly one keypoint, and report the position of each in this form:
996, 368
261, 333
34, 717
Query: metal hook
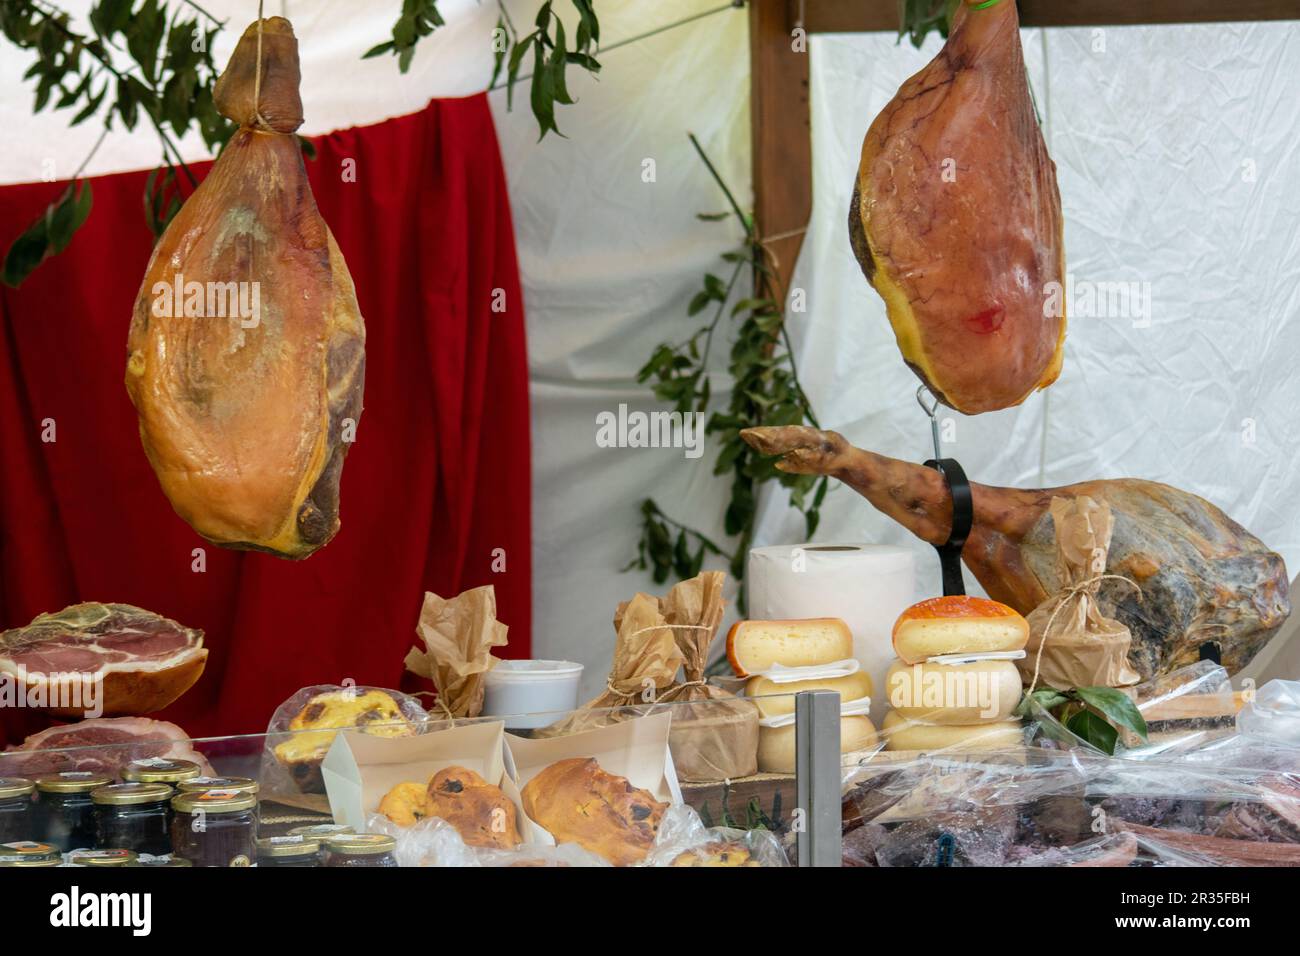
921, 392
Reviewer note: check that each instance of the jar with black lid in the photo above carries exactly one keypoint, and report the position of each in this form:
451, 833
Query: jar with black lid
288, 851
215, 827
17, 819
29, 853
160, 770
199, 784
64, 810
133, 816
360, 849
102, 858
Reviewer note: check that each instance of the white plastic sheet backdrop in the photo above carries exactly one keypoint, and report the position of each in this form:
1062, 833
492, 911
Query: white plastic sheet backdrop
1155, 140
1176, 153
609, 263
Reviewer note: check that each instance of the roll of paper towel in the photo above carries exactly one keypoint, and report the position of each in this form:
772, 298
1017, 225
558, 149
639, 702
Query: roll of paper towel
866, 585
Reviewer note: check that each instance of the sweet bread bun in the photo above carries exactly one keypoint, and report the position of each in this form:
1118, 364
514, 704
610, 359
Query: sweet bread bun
754, 646
482, 814
578, 802
776, 745
973, 693
717, 853
406, 804
314, 727
852, 687
958, 624
903, 734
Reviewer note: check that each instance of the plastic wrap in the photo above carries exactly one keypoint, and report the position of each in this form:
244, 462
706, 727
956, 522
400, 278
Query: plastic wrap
684, 840
1068, 808
288, 778
1185, 709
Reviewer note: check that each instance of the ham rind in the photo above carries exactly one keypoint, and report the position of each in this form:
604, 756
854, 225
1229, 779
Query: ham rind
102, 659
102, 745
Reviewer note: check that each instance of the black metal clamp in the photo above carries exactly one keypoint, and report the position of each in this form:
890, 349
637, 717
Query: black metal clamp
963, 506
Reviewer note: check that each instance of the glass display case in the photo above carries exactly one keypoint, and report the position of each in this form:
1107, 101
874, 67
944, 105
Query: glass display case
648, 783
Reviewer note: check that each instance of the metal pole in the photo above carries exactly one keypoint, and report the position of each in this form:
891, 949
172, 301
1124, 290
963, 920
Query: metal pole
817, 776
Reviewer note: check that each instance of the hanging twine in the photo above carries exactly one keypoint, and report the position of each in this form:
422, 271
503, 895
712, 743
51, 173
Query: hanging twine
437, 695
766, 244
609, 682
1082, 589
258, 121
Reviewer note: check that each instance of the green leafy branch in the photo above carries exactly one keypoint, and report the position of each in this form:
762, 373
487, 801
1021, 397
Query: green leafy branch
918, 18
547, 43
169, 83
765, 390
1094, 714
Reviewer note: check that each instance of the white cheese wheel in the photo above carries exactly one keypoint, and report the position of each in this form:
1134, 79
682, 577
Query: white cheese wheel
973, 693
754, 646
903, 734
851, 687
776, 750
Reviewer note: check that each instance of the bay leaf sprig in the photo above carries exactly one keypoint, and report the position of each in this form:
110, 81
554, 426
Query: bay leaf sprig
765, 390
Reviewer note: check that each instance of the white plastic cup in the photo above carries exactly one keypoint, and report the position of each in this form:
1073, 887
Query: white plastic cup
516, 689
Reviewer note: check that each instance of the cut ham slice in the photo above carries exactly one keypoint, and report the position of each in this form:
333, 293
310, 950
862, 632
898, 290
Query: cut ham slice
100, 745
105, 659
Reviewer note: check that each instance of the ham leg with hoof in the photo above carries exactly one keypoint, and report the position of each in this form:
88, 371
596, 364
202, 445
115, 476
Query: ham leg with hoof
1203, 577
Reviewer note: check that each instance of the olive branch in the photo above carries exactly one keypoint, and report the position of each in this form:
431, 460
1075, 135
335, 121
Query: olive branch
138, 61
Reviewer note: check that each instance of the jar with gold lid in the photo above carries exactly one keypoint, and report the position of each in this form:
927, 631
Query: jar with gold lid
29, 853
17, 819
64, 811
160, 770
360, 849
321, 831
288, 851
133, 816
215, 827
102, 858
160, 861
19, 861
199, 784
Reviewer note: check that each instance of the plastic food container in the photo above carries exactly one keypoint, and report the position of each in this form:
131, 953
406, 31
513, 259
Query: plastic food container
514, 688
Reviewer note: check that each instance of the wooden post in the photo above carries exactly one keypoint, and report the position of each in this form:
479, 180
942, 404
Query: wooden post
780, 131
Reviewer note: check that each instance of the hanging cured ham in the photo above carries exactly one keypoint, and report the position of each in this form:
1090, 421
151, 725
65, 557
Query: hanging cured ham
246, 355
956, 220
1202, 577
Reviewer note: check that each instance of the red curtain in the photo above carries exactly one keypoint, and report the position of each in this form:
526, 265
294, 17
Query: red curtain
435, 492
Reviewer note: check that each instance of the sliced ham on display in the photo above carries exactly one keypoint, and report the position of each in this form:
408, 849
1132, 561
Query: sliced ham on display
101, 659
99, 745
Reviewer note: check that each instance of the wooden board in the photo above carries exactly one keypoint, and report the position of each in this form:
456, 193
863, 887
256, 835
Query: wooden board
866, 16
735, 802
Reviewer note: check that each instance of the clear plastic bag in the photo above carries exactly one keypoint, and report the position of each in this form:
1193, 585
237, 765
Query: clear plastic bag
1068, 808
436, 843
684, 840
291, 756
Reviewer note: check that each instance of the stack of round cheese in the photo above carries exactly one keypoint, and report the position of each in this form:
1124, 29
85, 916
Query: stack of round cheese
774, 655
955, 684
